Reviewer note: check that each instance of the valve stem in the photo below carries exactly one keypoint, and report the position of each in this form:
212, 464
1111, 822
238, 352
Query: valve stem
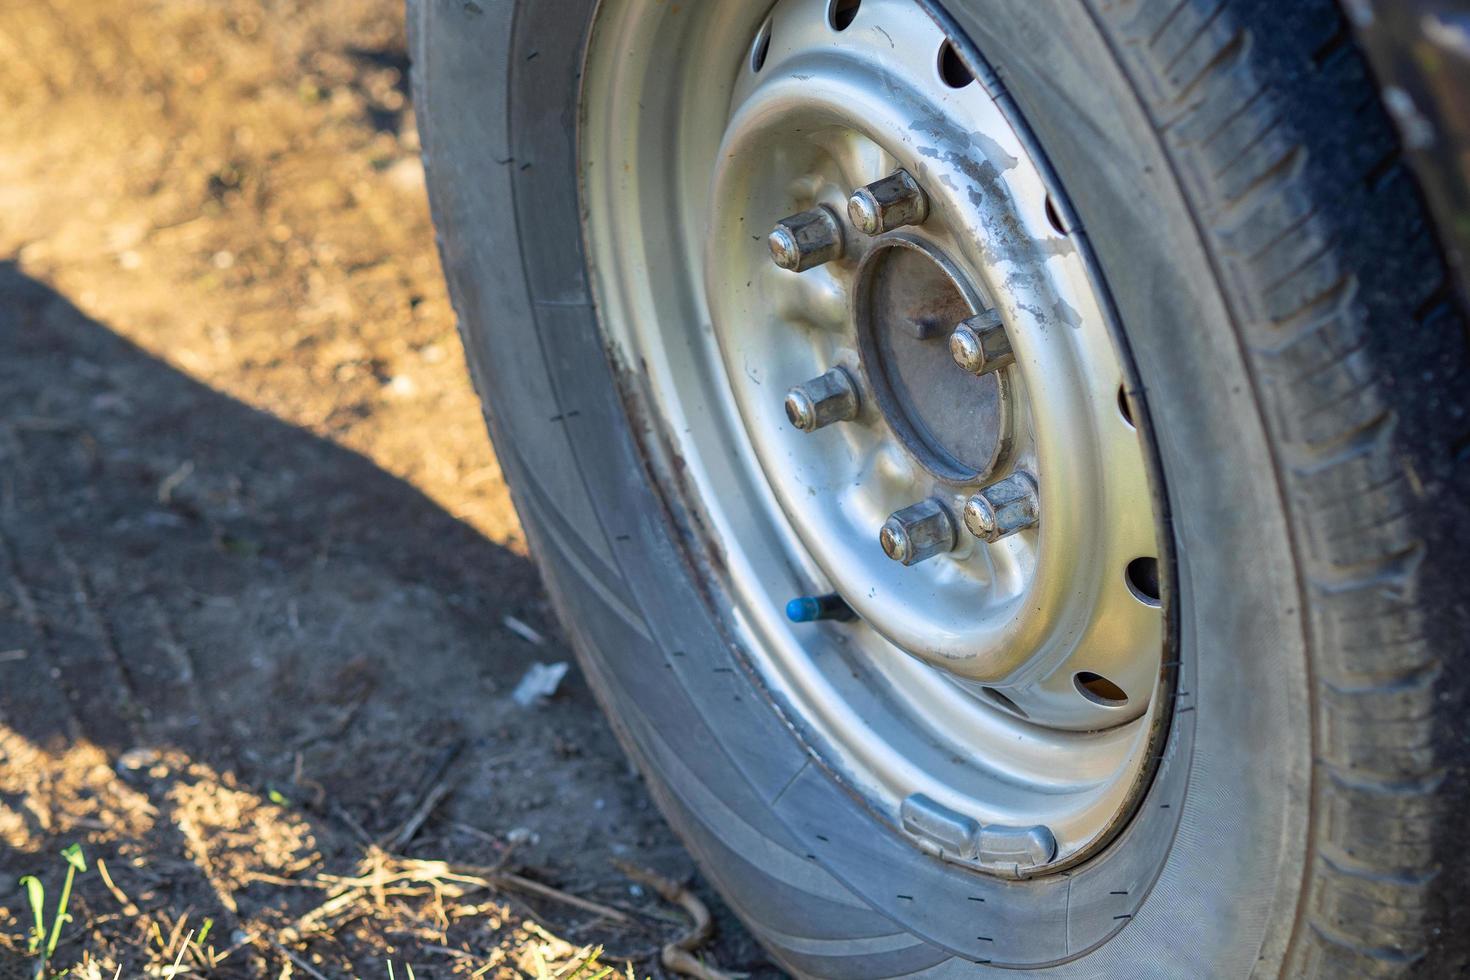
813, 608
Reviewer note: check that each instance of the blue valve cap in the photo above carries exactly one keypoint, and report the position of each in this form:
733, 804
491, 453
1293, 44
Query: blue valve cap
811, 608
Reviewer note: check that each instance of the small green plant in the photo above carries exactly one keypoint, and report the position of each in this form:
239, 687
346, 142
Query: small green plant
36, 897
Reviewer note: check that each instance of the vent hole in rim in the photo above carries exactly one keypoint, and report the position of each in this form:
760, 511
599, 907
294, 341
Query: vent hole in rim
1004, 702
1054, 216
841, 13
1124, 408
1143, 579
952, 68
761, 48
1099, 690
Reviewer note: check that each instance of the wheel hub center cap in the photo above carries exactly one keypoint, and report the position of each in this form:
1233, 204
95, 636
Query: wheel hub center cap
908, 300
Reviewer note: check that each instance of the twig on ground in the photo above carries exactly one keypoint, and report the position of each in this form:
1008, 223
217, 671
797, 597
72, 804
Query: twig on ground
300, 963
173, 481
352, 825
506, 855
524, 631
546, 891
436, 785
406, 831
678, 955
458, 954
270, 879
440, 767
483, 835
336, 727
129, 909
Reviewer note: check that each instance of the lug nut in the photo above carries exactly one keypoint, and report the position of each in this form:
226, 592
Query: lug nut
814, 608
807, 240
980, 345
822, 400
1003, 508
890, 203
920, 531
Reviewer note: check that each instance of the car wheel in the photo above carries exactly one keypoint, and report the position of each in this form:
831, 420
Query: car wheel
1003, 466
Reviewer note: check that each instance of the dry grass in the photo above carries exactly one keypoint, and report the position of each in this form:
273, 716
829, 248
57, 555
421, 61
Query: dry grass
280, 908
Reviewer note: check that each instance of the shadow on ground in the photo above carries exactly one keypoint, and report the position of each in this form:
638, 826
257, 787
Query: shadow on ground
232, 653
156, 525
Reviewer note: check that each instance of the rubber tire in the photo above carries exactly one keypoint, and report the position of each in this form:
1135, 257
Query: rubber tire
1303, 364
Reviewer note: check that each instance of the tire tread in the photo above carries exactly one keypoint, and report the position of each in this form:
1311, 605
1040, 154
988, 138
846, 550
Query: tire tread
1282, 184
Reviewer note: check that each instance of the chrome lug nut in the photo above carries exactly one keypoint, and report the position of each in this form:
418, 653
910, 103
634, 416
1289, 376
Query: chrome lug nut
917, 532
832, 397
980, 345
890, 203
807, 240
1003, 508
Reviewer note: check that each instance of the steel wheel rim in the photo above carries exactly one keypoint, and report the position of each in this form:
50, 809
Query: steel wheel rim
677, 199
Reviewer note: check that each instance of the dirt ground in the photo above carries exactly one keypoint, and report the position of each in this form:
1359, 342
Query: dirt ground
256, 556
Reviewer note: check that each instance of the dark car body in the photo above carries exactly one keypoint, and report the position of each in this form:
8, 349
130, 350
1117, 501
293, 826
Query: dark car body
1420, 50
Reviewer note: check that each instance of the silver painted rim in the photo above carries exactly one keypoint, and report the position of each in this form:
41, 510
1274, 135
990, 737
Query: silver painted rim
1001, 694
